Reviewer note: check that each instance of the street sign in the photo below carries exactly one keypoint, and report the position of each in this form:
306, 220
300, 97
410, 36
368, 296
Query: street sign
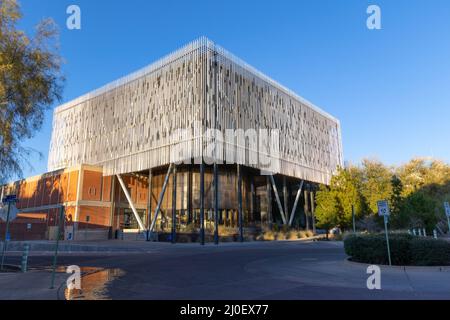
10, 198
13, 211
447, 209
383, 208
383, 211
7, 215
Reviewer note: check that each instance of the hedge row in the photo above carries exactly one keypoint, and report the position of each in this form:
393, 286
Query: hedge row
405, 249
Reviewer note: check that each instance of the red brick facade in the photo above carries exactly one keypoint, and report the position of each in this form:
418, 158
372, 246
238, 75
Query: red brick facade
90, 208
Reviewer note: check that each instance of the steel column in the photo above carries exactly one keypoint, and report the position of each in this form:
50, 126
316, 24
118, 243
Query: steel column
216, 180
252, 198
174, 204
202, 203
130, 202
149, 202
241, 220
313, 209
58, 235
216, 205
269, 202
306, 208
113, 204
189, 196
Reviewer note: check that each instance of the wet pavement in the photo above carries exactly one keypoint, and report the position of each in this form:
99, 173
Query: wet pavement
94, 283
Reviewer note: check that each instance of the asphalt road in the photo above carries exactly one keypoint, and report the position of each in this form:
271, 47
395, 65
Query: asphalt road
275, 270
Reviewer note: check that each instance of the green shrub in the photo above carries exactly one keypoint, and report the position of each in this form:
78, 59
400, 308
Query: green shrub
430, 252
405, 249
371, 248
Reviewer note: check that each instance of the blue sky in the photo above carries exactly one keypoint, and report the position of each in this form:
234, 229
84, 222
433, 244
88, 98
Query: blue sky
390, 88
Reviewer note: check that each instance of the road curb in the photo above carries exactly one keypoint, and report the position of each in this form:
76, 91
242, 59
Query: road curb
404, 268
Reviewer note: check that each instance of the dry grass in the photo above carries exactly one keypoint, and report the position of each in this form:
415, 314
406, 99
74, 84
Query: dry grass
305, 234
227, 231
283, 234
292, 235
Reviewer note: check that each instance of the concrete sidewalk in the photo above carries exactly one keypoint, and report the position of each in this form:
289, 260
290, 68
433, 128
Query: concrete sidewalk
33, 285
84, 246
117, 246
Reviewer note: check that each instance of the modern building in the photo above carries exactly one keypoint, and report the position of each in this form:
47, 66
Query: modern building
244, 153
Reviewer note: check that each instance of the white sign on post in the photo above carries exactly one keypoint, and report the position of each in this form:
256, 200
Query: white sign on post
13, 211
383, 208
447, 209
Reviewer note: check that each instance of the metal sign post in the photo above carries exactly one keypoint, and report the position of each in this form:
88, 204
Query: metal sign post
8, 199
383, 210
447, 213
61, 217
353, 218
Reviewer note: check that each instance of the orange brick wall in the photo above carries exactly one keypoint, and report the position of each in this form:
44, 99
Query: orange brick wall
92, 185
73, 184
107, 186
98, 217
55, 188
64, 186
49, 190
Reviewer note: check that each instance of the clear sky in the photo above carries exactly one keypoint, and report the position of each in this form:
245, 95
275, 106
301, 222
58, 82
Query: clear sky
390, 88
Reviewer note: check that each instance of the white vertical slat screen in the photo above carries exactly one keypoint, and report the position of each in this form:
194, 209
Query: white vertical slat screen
129, 125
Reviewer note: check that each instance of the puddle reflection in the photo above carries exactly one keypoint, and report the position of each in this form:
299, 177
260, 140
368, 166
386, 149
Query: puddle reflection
93, 284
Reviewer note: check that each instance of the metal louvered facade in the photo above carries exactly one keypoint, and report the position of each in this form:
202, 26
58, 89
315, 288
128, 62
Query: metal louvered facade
131, 124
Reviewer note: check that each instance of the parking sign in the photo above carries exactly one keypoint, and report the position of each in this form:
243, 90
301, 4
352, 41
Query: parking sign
383, 208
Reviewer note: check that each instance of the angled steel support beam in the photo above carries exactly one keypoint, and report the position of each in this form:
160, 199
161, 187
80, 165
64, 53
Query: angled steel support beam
161, 197
127, 195
277, 197
299, 193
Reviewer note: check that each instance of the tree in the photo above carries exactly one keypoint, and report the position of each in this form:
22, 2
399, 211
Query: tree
30, 82
415, 192
398, 217
421, 209
334, 205
430, 179
328, 209
414, 175
376, 184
